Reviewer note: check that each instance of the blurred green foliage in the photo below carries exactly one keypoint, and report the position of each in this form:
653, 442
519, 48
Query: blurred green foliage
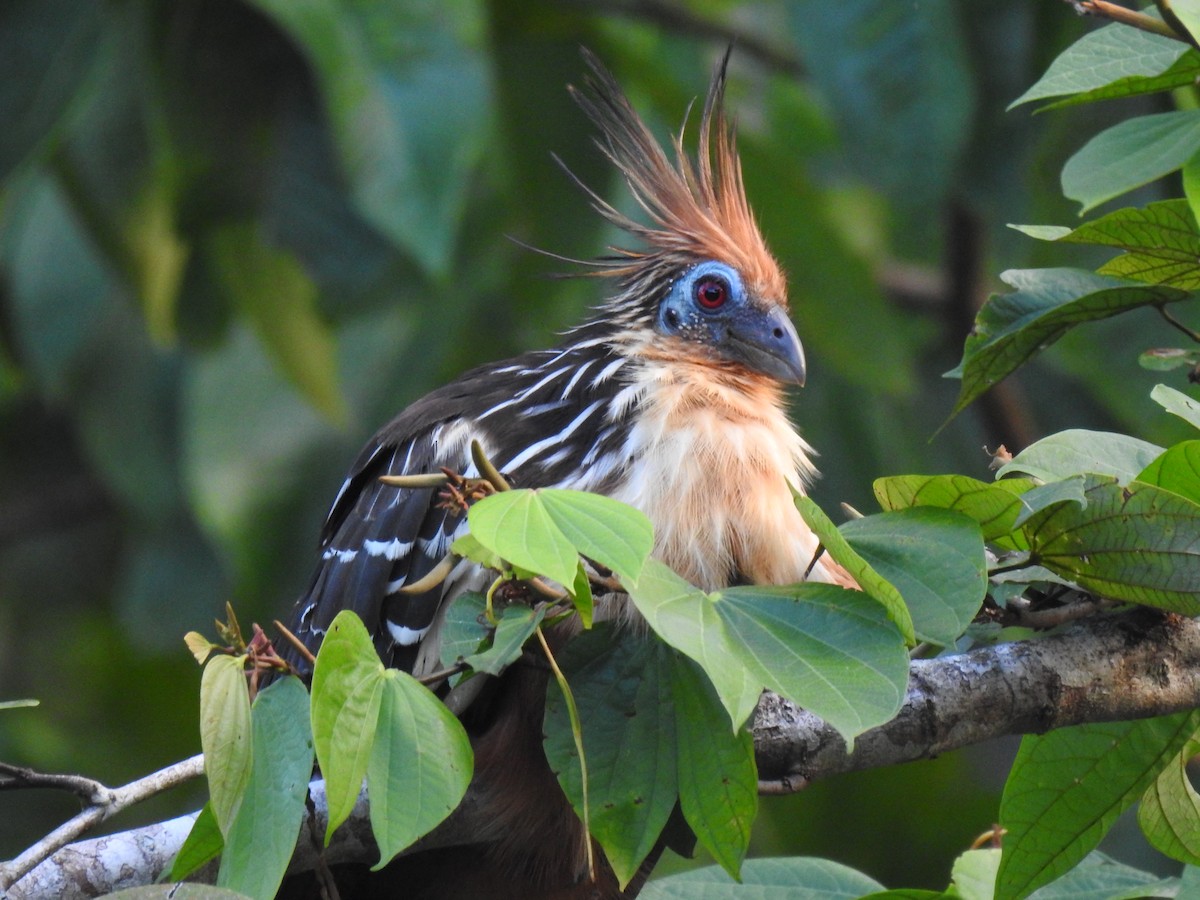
236, 237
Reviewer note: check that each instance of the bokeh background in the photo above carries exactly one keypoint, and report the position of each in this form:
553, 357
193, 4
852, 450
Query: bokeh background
236, 236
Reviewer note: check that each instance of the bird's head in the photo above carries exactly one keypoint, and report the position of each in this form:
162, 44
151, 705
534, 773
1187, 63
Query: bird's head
706, 284
709, 305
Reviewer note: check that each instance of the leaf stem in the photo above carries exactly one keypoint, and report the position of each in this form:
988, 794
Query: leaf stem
490, 610
577, 733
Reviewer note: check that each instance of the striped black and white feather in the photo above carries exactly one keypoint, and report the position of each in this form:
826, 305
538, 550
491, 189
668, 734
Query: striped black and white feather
546, 418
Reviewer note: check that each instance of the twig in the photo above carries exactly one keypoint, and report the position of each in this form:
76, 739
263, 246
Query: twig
1059, 615
1117, 13
1194, 335
105, 803
296, 643
546, 589
88, 790
435, 677
424, 480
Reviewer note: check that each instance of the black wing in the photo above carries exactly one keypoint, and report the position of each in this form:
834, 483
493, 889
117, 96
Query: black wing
542, 418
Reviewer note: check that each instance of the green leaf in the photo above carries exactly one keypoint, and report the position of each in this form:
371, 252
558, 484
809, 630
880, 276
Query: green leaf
280, 300
420, 766
468, 547
1169, 814
347, 690
1066, 789
608, 531
686, 618
1099, 878
1188, 14
262, 840
1130, 154
1190, 175
1115, 56
974, 874
225, 735
517, 625
1069, 490
1161, 242
798, 877
407, 92
1184, 72
1177, 471
1177, 402
464, 627
1167, 359
622, 688
993, 506
516, 525
157, 253
18, 704
718, 777
1136, 543
49, 48
873, 583
828, 649
1012, 328
1077, 451
203, 843
934, 557
581, 596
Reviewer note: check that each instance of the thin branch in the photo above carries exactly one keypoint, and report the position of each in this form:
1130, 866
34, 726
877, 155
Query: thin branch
1194, 335
88, 790
1117, 13
106, 802
1055, 616
442, 674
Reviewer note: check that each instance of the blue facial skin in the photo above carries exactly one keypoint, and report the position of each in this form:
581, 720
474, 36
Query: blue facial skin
709, 305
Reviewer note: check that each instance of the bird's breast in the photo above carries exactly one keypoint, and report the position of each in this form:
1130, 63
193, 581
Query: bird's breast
712, 464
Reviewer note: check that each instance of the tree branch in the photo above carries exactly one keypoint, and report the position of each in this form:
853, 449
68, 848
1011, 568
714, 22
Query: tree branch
1135, 665
104, 803
1106, 669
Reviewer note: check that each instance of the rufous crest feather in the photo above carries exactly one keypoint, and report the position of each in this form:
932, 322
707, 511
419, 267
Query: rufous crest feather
698, 210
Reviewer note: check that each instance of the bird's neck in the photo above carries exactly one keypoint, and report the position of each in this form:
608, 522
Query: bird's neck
711, 457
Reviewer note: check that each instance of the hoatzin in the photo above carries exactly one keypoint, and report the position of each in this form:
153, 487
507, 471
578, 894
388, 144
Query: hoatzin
669, 397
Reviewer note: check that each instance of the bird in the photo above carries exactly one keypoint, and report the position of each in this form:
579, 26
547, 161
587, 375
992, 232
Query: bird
670, 396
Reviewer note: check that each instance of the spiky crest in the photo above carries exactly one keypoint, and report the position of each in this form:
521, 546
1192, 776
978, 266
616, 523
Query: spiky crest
698, 210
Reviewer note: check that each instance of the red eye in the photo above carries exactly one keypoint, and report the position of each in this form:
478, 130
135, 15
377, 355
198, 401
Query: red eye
711, 293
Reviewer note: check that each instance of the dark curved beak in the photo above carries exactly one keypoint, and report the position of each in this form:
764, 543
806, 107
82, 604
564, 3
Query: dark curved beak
766, 342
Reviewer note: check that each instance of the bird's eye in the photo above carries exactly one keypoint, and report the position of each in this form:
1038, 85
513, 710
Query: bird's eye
712, 292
